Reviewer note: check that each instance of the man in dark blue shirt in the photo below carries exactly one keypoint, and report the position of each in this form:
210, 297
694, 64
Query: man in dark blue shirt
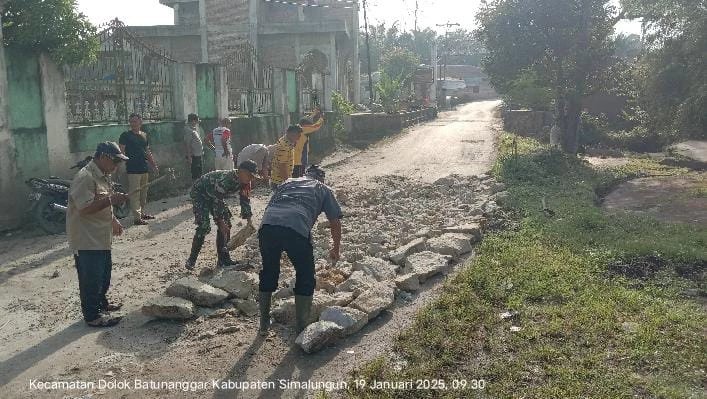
135, 144
286, 226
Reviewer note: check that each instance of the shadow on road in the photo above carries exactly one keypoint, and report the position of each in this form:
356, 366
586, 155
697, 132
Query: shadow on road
24, 360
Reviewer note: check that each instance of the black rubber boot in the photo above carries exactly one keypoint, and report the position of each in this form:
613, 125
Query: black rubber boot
224, 257
303, 306
264, 301
196, 245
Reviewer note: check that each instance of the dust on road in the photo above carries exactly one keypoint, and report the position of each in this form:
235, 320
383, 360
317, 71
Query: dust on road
44, 338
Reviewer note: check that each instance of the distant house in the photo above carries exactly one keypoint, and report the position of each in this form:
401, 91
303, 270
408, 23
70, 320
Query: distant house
476, 83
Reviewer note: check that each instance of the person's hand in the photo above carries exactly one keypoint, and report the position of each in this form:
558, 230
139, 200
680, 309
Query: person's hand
156, 170
118, 198
117, 228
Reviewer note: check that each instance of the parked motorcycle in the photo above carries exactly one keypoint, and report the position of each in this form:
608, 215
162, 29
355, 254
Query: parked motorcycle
50, 199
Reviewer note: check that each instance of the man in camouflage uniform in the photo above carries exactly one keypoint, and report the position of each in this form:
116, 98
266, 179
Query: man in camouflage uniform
208, 194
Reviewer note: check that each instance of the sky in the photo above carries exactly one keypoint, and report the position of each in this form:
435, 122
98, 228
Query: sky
431, 13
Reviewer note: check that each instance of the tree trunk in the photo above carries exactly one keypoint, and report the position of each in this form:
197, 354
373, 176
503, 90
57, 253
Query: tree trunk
570, 139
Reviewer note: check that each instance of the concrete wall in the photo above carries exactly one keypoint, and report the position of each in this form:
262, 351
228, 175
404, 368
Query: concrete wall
55, 116
26, 114
11, 203
364, 128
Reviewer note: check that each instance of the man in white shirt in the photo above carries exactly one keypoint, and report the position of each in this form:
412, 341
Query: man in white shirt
220, 141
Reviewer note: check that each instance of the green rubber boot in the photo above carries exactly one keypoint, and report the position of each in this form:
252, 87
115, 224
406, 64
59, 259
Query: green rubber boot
303, 306
264, 301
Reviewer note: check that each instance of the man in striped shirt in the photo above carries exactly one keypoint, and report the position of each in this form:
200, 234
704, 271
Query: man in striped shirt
283, 156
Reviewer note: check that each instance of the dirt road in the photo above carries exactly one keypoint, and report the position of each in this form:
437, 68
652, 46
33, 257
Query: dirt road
45, 340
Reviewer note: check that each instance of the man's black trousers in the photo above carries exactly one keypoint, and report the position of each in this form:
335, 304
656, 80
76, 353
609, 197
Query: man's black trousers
273, 241
94, 269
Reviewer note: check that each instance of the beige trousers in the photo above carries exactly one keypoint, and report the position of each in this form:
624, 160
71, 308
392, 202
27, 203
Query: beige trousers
139, 199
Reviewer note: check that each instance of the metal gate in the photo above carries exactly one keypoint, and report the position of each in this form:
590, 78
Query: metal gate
250, 82
127, 77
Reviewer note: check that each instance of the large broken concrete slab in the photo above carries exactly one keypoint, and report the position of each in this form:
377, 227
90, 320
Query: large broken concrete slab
453, 244
357, 283
375, 300
380, 269
350, 319
237, 283
168, 307
426, 264
318, 335
399, 254
190, 288
471, 229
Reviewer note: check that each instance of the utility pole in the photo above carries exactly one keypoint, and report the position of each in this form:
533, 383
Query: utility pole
368, 55
417, 8
446, 52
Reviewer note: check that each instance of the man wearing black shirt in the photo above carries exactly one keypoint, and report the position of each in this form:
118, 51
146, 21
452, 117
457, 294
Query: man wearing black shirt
136, 146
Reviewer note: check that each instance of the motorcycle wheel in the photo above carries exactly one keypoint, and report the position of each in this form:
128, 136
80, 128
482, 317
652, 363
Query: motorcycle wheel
50, 220
123, 210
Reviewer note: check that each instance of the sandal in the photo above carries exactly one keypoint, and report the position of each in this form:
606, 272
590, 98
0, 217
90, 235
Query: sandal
104, 321
140, 223
147, 217
112, 307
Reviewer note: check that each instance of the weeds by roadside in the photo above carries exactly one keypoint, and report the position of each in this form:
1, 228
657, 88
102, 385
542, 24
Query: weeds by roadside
573, 303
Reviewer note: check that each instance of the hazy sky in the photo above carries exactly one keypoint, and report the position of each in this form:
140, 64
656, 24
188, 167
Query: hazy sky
432, 12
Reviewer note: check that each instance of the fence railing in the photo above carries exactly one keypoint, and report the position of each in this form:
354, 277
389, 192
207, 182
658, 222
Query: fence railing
250, 82
127, 77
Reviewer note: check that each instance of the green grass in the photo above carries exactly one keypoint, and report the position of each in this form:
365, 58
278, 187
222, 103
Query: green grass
598, 297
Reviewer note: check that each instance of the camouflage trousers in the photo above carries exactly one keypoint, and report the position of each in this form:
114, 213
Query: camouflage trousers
202, 208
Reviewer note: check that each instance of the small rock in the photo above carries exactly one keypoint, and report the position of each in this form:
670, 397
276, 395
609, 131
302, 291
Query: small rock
453, 244
515, 328
405, 296
423, 233
169, 308
228, 329
350, 319
207, 335
630, 327
318, 335
376, 299
408, 282
497, 187
194, 290
246, 306
283, 293
508, 315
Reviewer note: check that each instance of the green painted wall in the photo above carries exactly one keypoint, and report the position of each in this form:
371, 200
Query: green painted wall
26, 114
86, 138
206, 91
292, 102
24, 88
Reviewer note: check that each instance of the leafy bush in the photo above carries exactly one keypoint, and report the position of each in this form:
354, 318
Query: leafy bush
639, 139
389, 92
594, 129
527, 92
341, 107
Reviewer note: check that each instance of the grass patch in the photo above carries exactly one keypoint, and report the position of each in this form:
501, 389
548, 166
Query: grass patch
597, 298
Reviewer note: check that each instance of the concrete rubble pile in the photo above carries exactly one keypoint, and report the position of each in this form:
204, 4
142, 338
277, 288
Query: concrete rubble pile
397, 234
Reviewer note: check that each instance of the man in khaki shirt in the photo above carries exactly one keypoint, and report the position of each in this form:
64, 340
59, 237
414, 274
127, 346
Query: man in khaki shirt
90, 226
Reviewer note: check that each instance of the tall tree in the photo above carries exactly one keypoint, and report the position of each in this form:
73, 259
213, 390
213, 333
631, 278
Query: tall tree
565, 44
672, 77
49, 25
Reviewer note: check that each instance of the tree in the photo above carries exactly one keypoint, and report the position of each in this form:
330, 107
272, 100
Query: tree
671, 76
53, 26
566, 44
400, 63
